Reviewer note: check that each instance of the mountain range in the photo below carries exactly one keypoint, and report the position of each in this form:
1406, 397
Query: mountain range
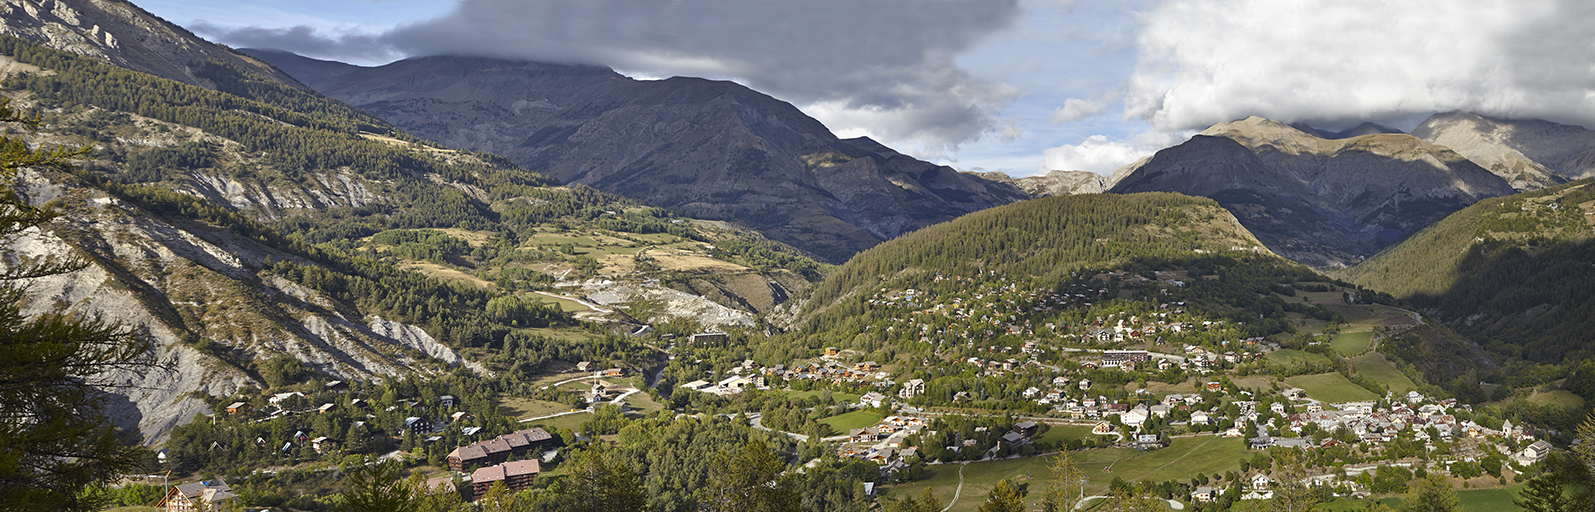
1324, 202
230, 201
713, 148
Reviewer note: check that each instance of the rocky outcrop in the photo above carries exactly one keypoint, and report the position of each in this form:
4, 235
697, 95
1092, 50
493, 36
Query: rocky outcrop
203, 295
1327, 203
125, 35
1530, 154
716, 149
1057, 183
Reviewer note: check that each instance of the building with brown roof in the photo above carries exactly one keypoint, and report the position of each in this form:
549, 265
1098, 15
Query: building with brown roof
206, 495
517, 476
499, 449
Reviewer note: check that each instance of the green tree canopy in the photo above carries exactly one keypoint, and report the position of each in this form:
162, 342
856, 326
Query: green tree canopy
54, 365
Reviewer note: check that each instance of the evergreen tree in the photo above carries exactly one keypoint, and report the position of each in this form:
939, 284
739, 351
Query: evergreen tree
750, 480
377, 488
1544, 494
597, 481
1004, 497
54, 366
1432, 494
926, 502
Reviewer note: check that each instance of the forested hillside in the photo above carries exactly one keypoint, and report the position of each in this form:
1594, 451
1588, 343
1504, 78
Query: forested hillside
237, 223
1054, 267
1512, 272
1047, 240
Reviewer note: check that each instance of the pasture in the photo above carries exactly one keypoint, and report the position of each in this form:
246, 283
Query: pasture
1331, 388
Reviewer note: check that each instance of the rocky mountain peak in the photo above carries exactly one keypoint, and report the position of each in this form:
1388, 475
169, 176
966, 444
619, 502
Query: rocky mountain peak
125, 35
1530, 154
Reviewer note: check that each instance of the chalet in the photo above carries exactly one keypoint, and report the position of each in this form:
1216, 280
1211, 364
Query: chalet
1148, 442
337, 386
235, 407
1014, 439
1026, 428
517, 476
206, 495
322, 443
1204, 494
446, 401
1261, 481
584, 366
613, 372
326, 407
1102, 428
417, 425
863, 435
460, 416
872, 399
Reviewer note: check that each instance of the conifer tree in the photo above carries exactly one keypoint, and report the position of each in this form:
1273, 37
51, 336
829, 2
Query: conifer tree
1431, 494
54, 366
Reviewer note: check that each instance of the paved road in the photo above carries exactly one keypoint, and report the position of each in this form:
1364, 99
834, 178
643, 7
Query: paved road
756, 420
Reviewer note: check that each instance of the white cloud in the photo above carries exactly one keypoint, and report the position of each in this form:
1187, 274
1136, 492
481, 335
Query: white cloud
1206, 61
1101, 155
1075, 109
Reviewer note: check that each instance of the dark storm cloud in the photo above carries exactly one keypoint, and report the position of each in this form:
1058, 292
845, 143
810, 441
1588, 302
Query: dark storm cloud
303, 40
879, 66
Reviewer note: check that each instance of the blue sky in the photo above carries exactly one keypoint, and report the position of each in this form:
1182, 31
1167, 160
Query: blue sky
1019, 86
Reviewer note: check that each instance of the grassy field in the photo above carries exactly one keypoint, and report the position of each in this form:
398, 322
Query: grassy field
570, 421
1056, 436
1557, 397
1352, 343
1331, 387
564, 304
1288, 356
1375, 366
445, 274
856, 419
562, 334
1489, 500
527, 408
1183, 459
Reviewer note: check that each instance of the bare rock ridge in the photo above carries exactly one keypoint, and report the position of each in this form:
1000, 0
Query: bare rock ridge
123, 34
1324, 202
1056, 183
1531, 154
202, 293
717, 149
